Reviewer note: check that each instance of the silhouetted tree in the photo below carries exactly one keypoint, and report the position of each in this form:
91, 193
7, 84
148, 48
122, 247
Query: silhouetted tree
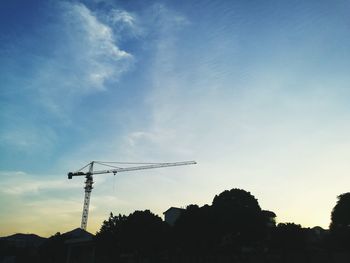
340, 217
234, 221
107, 239
140, 234
236, 198
193, 231
340, 222
288, 236
239, 218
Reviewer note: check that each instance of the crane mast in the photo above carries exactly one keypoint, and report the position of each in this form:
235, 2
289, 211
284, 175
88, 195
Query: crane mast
89, 178
88, 188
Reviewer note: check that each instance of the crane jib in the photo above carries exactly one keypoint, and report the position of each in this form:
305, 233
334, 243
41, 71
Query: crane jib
126, 169
89, 180
144, 167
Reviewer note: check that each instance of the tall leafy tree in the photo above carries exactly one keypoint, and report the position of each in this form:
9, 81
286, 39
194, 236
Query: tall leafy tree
234, 220
340, 222
239, 217
142, 233
340, 217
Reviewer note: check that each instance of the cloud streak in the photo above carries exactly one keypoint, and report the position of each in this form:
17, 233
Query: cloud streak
73, 55
84, 57
20, 183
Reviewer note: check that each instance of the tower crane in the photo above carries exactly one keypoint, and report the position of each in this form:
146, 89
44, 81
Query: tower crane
88, 171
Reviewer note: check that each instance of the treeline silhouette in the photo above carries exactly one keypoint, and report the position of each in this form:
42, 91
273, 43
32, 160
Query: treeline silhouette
233, 228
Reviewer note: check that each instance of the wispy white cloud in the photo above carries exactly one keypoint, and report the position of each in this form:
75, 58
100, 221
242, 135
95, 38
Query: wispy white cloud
124, 24
79, 56
85, 57
38, 204
28, 138
122, 17
12, 173
21, 183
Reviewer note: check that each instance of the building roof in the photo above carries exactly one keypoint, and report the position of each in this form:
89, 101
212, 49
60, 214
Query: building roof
78, 235
174, 208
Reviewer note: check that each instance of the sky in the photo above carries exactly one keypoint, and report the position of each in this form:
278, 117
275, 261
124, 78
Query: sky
257, 92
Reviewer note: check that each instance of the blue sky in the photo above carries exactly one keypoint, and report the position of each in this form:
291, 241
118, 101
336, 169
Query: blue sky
256, 92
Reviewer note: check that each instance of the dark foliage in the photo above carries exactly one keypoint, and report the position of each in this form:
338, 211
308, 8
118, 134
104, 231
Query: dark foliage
53, 250
233, 222
288, 236
239, 217
232, 229
340, 222
194, 231
340, 217
141, 233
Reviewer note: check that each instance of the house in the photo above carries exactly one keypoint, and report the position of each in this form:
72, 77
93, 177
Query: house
80, 246
172, 215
